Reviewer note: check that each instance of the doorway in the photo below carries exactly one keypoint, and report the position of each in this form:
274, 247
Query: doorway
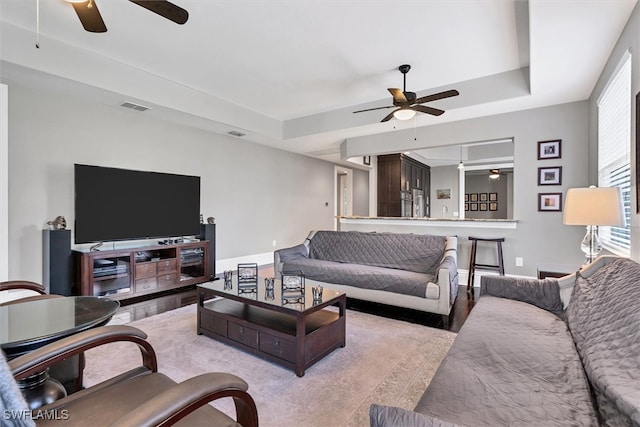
343, 194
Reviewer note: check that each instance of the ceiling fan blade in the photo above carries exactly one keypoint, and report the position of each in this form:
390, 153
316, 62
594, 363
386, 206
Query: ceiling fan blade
89, 16
436, 96
165, 9
398, 96
377, 108
428, 110
389, 116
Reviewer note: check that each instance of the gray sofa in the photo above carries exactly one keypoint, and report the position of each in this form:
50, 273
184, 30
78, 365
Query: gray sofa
552, 352
406, 270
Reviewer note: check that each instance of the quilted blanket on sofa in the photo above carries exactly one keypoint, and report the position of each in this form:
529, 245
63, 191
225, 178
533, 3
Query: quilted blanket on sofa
411, 252
512, 364
362, 276
604, 318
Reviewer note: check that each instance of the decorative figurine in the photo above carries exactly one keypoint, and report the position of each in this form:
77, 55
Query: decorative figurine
59, 223
211, 220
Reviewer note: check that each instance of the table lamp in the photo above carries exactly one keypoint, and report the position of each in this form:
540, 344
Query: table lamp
592, 207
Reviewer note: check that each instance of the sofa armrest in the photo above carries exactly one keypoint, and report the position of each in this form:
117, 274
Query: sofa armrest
286, 254
543, 293
180, 400
390, 416
448, 276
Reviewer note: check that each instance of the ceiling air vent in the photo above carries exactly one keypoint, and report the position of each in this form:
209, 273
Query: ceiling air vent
236, 133
133, 106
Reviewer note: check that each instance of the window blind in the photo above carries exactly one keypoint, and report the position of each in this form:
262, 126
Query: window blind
614, 151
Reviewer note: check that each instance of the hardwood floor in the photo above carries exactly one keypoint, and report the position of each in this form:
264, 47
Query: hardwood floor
141, 308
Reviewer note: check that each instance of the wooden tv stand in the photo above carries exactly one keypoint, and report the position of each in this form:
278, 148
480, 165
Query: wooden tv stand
131, 272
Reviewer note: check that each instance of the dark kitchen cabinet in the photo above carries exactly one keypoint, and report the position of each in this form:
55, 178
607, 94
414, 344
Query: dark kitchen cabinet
398, 175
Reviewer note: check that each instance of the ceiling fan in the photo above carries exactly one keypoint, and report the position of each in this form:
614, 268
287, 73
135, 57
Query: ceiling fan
89, 15
406, 103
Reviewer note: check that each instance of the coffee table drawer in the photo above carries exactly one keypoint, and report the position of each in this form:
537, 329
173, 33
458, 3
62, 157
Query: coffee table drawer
242, 334
213, 324
276, 346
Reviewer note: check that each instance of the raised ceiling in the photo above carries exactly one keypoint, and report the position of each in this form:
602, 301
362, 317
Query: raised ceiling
289, 73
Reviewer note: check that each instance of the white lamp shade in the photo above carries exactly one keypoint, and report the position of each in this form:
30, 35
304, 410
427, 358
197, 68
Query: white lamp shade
594, 206
404, 114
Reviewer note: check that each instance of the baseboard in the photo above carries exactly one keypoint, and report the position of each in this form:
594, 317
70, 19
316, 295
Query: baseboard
232, 263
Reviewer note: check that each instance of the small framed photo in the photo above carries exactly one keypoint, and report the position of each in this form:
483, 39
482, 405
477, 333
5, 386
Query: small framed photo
493, 197
466, 206
473, 206
493, 206
549, 202
466, 197
549, 149
550, 176
444, 193
484, 197
366, 160
473, 197
483, 206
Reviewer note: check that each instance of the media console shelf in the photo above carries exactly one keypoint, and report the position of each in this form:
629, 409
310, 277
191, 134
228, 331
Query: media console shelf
131, 272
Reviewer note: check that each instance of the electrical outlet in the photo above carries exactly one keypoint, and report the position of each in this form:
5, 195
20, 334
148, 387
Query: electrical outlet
519, 261
274, 243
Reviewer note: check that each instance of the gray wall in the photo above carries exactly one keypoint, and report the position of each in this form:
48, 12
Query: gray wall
360, 192
540, 237
442, 178
257, 194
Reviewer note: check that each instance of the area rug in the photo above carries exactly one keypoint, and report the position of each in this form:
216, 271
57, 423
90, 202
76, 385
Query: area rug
385, 361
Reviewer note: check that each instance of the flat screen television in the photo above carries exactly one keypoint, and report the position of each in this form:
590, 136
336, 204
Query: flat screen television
119, 204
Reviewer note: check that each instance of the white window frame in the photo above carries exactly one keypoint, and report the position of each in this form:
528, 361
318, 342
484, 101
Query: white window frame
617, 170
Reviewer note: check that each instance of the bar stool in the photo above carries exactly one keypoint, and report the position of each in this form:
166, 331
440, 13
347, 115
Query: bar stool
473, 264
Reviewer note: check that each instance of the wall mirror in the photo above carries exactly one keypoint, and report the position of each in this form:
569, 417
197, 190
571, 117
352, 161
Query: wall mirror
471, 180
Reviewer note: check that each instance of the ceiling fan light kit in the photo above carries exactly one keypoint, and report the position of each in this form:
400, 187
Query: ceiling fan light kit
404, 114
494, 174
406, 102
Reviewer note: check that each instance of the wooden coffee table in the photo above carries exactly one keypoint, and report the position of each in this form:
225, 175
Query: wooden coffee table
292, 333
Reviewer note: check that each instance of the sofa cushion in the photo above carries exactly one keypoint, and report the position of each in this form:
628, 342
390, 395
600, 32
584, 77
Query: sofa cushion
604, 318
412, 252
364, 276
511, 364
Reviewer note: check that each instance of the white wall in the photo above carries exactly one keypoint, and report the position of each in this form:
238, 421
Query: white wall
257, 194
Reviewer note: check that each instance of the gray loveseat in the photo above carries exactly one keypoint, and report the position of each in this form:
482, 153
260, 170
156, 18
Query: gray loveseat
552, 352
406, 270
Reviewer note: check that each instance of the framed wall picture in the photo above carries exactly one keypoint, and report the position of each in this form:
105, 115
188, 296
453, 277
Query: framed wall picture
549, 202
493, 197
466, 197
473, 206
484, 197
550, 176
443, 193
366, 160
483, 206
466, 206
493, 206
549, 149
473, 197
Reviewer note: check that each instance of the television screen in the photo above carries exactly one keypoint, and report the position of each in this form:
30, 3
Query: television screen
120, 204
